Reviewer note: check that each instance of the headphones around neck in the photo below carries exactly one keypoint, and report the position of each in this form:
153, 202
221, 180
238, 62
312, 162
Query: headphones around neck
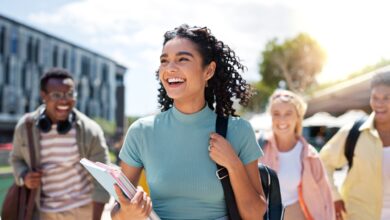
44, 123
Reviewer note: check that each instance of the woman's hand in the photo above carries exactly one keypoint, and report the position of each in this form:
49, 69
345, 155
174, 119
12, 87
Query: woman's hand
221, 151
139, 207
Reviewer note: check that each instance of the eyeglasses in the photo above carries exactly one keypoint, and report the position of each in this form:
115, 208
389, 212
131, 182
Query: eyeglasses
55, 96
283, 97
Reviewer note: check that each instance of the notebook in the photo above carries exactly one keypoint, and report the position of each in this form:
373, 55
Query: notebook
108, 175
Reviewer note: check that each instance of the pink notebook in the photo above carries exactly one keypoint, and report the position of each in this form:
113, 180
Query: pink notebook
108, 175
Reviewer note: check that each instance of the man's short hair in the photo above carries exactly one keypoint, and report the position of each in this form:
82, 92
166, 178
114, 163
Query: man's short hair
57, 73
381, 78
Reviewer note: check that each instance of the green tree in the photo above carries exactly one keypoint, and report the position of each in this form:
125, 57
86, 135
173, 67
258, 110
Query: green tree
296, 61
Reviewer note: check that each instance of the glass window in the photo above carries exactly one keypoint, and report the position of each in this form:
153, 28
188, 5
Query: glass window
105, 73
85, 66
55, 56
36, 51
73, 61
29, 52
2, 40
65, 59
14, 41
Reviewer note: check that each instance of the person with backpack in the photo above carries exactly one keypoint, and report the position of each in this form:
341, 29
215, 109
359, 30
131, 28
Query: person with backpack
365, 192
179, 148
304, 185
60, 136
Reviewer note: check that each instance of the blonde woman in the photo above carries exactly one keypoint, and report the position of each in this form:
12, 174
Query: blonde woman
304, 185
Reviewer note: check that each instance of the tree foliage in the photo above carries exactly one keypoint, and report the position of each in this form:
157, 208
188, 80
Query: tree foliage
258, 101
296, 61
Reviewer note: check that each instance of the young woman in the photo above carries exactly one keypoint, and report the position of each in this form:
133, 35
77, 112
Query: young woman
178, 148
304, 185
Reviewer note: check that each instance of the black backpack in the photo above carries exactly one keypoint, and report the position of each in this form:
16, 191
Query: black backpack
350, 142
271, 188
269, 181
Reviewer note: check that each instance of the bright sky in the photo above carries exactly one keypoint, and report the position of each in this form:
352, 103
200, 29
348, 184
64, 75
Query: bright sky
353, 32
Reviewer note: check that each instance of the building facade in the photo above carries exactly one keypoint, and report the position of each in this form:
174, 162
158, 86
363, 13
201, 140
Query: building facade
26, 53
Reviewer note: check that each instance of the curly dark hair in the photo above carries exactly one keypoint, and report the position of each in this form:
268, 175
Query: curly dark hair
226, 82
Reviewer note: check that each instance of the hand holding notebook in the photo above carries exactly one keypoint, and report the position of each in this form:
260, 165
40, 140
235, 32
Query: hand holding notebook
107, 176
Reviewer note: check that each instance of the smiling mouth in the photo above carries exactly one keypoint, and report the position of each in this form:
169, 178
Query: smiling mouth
63, 107
175, 81
282, 127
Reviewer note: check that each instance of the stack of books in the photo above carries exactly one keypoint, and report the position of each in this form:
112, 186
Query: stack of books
108, 175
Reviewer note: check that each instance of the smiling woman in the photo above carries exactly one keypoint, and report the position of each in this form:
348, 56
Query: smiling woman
300, 171
178, 148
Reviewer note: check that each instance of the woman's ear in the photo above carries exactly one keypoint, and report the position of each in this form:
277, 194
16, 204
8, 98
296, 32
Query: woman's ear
210, 70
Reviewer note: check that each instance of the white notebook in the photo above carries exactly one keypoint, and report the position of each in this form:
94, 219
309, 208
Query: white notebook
108, 175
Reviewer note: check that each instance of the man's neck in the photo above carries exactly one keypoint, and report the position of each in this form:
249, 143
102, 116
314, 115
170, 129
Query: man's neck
382, 127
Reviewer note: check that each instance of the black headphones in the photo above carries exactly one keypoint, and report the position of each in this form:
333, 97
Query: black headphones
44, 123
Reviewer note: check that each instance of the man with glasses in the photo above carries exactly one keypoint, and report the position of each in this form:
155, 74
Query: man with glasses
365, 193
62, 136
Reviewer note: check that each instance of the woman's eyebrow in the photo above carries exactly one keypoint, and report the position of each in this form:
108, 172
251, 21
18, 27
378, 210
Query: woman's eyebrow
184, 53
180, 53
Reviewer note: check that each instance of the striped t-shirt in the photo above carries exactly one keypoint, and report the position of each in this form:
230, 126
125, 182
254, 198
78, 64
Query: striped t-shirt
65, 183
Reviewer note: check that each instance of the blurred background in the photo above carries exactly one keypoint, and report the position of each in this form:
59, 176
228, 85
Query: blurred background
325, 50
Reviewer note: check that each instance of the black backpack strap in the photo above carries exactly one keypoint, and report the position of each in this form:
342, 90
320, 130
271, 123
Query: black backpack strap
271, 188
266, 184
223, 175
351, 141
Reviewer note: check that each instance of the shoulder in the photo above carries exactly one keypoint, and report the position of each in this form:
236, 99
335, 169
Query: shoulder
146, 122
346, 128
313, 157
22, 121
88, 124
238, 123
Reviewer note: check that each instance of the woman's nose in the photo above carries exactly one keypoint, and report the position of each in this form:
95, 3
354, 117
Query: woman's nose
171, 67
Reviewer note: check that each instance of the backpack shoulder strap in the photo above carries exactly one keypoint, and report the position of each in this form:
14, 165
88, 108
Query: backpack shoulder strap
31, 146
223, 175
351, 141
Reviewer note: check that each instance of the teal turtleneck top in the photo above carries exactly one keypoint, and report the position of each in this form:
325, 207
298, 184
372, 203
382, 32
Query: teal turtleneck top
173, 149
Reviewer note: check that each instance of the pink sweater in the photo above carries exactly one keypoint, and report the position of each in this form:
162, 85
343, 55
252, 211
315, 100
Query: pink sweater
316, 193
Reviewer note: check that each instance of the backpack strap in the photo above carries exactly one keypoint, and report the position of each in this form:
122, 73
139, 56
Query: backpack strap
223, 175
31, 197
350, 142
266, 184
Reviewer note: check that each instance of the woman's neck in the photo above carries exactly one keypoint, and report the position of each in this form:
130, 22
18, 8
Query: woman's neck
189, 107
286, 142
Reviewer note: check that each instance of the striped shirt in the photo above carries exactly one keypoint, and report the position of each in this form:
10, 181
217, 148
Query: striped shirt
65, 183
